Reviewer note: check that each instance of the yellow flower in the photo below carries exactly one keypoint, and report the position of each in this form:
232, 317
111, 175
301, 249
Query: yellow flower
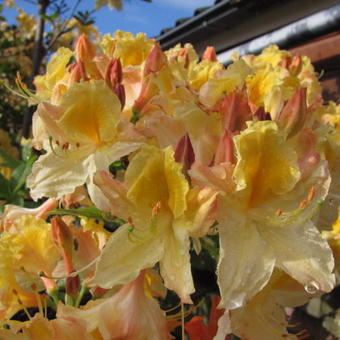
265, 217
131, 50
225, 81
261, 83
159, 222
86, 135
202, 72
266, 164
263, 317
50, 85
35, 249
270, 55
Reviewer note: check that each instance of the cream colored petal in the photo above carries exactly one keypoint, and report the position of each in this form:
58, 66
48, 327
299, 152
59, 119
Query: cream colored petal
261, 319
54, 177
246, 263
125, 256
175, 264
302, 253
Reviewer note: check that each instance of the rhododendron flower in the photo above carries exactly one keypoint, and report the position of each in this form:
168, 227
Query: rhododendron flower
263, 317
27, 250
86, 135
261, 222
160, 222
129, 314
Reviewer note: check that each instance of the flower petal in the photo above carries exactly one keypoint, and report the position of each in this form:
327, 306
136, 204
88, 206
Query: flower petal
53, 176
302, 253
124, 257
245, 264
175, 264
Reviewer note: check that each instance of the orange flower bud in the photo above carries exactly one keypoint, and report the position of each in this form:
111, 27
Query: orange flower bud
86, 53
155, 60
114, 73
77, 73
209, 54
72, 286
84, 49
63, 238
235, 111
184, 153
293, 115
120, 92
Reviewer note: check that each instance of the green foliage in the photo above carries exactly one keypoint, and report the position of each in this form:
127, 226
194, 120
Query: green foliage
13, 190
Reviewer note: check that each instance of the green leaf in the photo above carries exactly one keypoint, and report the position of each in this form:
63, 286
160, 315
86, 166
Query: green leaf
19, 175
91, 212
27, 152
8, 160
16, 200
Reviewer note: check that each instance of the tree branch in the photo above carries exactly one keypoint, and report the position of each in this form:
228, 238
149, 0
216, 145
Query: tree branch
37, 58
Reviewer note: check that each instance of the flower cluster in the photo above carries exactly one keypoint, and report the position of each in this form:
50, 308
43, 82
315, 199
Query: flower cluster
160, 150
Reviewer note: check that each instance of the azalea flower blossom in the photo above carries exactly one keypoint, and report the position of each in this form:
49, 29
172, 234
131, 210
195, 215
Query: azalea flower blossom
86, 135
160, 221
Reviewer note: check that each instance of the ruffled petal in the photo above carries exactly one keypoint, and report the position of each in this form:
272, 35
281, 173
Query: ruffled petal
125, 255
246, 263
54, 177
302, 253
175, 265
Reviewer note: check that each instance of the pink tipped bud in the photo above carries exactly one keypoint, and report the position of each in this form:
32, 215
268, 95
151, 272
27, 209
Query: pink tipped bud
293, 115
63, 238
209, 54
285, 62
114, 73
77, 73
184, 152
295, 65
155, 60
84, 50
185, 54
225, 149
120, 92
72, 286
235, 111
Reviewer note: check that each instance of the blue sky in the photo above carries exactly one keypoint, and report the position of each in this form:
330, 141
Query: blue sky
137, 16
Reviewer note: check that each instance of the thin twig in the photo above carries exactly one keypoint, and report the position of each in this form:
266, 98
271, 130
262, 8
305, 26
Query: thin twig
63, 29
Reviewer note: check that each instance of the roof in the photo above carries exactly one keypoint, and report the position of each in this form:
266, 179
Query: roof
229, 23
